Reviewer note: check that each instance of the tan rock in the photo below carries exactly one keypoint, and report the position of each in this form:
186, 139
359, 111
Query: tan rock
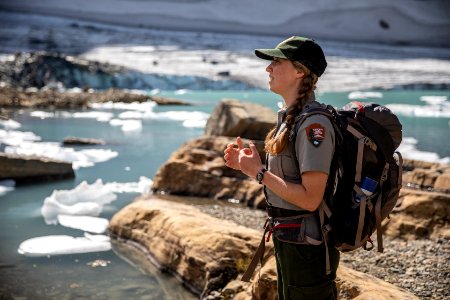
442, 183
410, 164
422, 174
360, 286
198, 169
33, 168
209, 254
419, 214
203, 251
235, 118
423, 178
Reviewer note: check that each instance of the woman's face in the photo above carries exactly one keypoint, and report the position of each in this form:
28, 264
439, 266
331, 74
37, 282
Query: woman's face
284, 78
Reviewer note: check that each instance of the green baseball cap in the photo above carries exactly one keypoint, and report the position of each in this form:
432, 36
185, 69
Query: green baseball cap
301, 49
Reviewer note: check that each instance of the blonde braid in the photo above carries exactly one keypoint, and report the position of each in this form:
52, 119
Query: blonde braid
277, 144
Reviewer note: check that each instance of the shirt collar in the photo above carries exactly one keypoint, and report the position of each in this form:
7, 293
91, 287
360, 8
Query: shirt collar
284, 111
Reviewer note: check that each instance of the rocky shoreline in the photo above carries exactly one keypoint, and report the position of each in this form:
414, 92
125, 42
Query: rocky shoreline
13, 98
419, 266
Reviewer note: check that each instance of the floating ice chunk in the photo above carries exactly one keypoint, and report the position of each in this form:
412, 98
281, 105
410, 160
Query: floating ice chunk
433, 100
63, 244
181, 92
357, 95
409, 150
127, 125
88, 199
421, 111
135, 106
15, 138
84, 200
98, 115
10, 124
85, 223
143, 186
194, 123
42, 114
180, 115
6, 186
130, 115
82, 158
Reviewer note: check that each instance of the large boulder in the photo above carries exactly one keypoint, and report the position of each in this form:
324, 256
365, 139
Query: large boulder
204, 252
235, 118
427, 175
33, 168
420, 214
209, 254
198, 169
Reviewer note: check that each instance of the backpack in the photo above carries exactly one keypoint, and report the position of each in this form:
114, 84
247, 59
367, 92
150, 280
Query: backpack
365, 174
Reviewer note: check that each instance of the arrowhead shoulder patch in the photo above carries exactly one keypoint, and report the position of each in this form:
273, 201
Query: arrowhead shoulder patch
315, 133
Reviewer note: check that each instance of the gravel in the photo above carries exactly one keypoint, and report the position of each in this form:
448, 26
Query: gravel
419, 266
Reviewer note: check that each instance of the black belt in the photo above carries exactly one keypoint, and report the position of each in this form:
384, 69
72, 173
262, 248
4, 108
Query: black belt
278, 212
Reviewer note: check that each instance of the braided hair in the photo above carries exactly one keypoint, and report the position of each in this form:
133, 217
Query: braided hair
274, 145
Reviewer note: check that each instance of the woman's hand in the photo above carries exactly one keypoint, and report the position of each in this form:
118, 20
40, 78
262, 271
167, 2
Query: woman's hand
250, 161
232, 154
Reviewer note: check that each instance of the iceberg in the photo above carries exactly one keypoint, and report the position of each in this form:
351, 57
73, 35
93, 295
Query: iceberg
409, 150
84, 200
436, 107
10, 124
88, 200
26, 143
16, 138
127, 125
63, 244
85, 223
364, 95
6, 186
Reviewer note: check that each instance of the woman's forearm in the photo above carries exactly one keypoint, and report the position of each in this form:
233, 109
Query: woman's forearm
307, 195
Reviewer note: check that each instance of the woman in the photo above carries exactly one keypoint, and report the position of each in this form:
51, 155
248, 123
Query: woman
295, 186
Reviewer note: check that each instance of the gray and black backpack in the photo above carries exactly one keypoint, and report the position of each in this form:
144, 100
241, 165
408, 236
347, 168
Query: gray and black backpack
367, 173
364, 182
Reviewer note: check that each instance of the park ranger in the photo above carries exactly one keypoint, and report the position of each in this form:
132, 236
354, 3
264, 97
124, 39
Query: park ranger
299, 157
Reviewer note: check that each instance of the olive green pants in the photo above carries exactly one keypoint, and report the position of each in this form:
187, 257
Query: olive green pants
302, 274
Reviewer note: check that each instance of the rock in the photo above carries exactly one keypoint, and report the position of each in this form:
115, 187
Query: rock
357, 285
209, 254
426, 175
198, 169
442, 183
203, 251
168, 101
410, 164
235, 118
421, 178
33, 168
70, 140
420, 214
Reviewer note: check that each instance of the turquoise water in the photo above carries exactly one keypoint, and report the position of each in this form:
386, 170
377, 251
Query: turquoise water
140, 154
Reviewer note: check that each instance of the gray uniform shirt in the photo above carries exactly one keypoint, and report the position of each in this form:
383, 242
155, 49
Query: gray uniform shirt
314, 146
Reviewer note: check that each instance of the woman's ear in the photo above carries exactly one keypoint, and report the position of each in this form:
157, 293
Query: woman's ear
300, 74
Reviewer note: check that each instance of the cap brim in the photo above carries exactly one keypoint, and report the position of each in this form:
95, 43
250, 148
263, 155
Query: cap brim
269, 54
